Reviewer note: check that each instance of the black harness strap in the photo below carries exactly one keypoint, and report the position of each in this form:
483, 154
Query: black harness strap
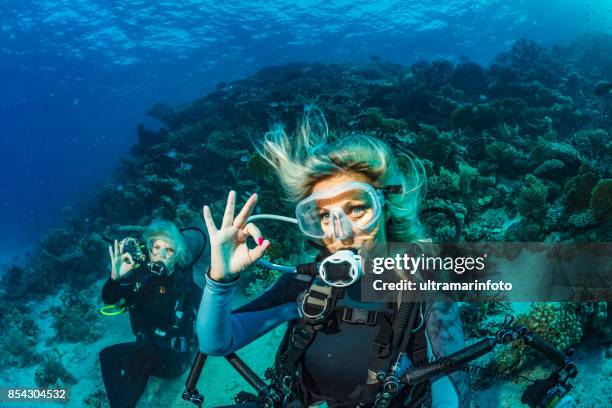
321, 311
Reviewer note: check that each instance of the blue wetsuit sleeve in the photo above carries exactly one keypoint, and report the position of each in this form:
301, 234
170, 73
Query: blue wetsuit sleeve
221, 332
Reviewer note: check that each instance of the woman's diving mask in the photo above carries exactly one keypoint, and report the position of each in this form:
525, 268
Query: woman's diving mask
339, 213
347, 210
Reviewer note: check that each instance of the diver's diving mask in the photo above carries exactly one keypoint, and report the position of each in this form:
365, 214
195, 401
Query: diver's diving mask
348, 209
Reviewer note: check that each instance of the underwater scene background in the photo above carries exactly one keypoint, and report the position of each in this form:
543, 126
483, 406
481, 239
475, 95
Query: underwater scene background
117, 113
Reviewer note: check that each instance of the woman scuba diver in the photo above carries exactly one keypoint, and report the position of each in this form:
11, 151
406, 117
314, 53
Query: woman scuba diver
350, 194
154, 280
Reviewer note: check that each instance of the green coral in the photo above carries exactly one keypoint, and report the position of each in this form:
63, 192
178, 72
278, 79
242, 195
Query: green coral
375, 119
601, 200
429, 143
531, 199
551, 167
445, 184
468, 176
577, 192
565, 152
559, 323
476, 117
505, 156
583, 219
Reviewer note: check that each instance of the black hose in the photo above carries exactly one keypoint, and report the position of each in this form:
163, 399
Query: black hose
400, 324
543, 347
450, 213
450, 363
202, 248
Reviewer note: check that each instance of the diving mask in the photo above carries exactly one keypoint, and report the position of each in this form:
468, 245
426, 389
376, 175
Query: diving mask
348, 209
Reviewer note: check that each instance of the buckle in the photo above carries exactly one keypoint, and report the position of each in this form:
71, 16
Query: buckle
300, 337
179, 344
380, 350
360, 316
316, 303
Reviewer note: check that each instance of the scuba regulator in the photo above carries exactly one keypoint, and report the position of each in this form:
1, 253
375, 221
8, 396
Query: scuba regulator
341, 269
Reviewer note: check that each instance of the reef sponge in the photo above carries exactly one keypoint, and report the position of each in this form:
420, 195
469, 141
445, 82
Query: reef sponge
601, 200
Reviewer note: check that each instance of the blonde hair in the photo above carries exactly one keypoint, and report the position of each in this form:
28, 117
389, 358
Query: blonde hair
166, 230
315, 155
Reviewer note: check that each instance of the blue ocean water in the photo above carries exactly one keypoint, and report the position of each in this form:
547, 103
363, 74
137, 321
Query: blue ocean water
78, 75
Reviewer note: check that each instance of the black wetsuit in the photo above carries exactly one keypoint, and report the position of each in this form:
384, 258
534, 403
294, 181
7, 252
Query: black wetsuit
162, 312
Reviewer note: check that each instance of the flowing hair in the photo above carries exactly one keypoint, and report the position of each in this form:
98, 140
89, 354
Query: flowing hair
315, 155
166, 230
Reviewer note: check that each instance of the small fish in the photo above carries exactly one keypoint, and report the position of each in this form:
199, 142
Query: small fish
186, 166
244, 158
178, 187
602, 88
171, 154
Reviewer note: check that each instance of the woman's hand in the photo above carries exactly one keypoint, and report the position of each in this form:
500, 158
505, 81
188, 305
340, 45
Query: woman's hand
122, 264
229, 254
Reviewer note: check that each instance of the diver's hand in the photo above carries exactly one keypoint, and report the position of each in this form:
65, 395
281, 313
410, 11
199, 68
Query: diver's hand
229, 254
122, 264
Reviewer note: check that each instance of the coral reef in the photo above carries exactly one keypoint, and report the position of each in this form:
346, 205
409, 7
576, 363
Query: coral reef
17, 345
519, 150
52, 373
559, 323
76, 320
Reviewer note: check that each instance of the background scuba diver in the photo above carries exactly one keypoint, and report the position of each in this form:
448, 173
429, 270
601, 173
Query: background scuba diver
335, 365
161, 296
